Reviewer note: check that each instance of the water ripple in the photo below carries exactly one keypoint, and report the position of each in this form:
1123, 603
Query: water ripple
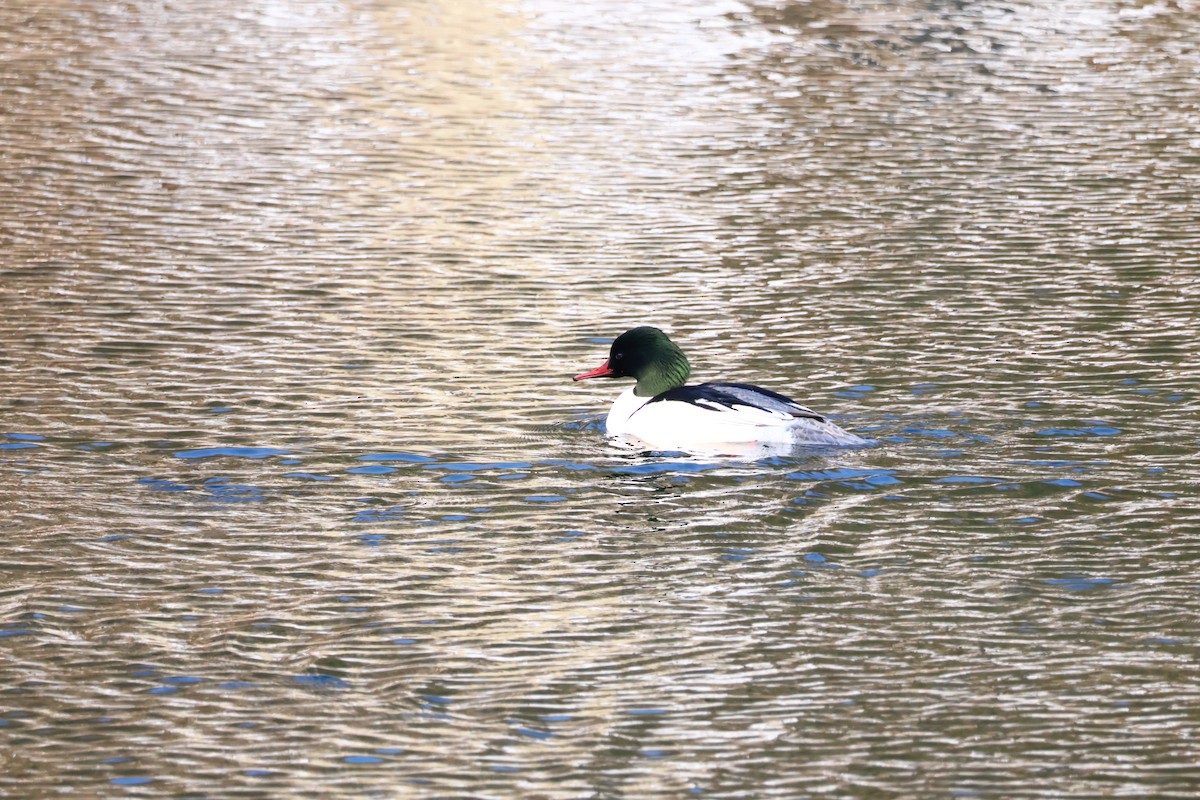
300, 500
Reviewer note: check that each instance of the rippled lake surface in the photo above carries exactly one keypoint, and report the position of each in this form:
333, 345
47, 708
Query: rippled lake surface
297, 498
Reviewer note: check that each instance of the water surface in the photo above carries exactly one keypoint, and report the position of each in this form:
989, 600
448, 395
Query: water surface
299, 499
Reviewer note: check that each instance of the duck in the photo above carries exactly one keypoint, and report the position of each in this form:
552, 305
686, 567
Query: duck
662, 411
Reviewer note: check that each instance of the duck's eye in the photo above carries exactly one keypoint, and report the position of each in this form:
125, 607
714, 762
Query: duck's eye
618, 356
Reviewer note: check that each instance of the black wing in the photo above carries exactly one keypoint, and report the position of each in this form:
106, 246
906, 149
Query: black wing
726, 396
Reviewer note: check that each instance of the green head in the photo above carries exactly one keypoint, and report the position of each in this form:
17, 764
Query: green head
646, 354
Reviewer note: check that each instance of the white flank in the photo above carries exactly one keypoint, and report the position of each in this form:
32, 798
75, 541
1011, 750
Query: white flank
672, 424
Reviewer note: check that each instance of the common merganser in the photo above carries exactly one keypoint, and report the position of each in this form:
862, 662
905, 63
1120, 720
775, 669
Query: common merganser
662, 412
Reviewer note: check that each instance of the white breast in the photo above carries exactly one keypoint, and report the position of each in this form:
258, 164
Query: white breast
623, 407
